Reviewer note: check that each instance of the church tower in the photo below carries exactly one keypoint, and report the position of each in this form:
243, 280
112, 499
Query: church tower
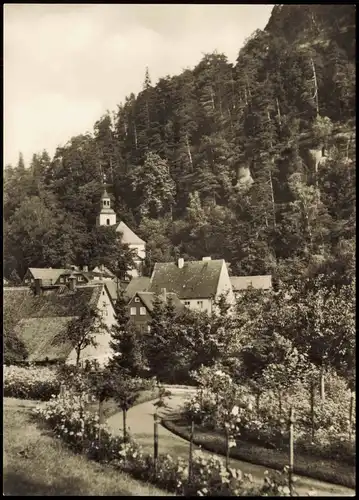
107, 216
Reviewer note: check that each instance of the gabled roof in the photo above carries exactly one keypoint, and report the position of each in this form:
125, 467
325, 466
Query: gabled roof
196, 279
104, 270
47, 273
128, 236
148, 299
140, 284
258, 282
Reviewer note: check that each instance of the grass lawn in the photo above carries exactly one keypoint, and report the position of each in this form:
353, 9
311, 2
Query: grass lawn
35, 463
331, 471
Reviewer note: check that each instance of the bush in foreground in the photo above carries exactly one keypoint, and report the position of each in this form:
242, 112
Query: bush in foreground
31, 382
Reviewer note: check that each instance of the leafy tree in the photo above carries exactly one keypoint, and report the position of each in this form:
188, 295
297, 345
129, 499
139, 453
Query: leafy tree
81, 332
125, 341
154, 185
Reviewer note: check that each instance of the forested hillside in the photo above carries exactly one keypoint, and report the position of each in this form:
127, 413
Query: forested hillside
223, 160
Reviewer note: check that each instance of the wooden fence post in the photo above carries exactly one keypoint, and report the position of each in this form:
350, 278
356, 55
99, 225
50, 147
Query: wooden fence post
100, 420
155, 441
291, 450
351, 413
312, 389
190, 459
226, 427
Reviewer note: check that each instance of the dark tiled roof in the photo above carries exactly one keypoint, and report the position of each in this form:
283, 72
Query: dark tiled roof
37, 319
196, 279
113, 286
38, 334
140, 284
149, 297
55, 302
243, 282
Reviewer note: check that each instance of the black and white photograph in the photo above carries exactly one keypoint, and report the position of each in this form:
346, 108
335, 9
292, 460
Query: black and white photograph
179, 249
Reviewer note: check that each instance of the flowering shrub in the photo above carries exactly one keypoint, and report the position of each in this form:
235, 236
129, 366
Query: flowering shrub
30, 382
70, 420
266, 421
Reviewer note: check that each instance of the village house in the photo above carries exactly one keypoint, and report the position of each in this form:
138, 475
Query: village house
53, 276
141, 307
242, 283
107, 217
43, 312
198, 284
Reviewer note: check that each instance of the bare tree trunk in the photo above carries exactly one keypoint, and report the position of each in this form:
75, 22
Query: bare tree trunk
351, 413
272, 197
189, 153
135, 132
316, 97
212, 100
278, 112
312, 388
78, 354
124, 417
322, 384
258, 401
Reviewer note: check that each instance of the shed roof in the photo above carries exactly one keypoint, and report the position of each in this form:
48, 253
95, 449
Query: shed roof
196, 279
148, 299
263, 282
128, 236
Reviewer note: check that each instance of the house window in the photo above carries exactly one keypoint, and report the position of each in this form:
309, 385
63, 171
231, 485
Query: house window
103, 304
80, 278
103, 293
61, 280
187, 303
142, 311
148, 328
104, 313
137, 299
133, 311
108, 222
200, 304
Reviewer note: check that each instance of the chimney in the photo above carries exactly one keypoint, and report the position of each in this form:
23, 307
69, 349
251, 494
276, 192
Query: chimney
164, 294
85, 269
180, 263
72, 283
38, 286
206, 258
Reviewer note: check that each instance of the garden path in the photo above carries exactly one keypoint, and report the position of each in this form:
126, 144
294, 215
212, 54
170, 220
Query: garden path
140, 423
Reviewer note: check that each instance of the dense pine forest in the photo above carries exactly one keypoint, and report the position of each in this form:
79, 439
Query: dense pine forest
253, 162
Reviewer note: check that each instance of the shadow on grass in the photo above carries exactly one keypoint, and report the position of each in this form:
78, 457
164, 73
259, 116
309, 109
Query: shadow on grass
16, 484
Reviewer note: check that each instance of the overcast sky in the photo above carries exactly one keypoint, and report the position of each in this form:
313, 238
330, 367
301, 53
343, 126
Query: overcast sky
66, 64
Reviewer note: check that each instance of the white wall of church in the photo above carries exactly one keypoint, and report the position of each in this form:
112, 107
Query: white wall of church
103, 218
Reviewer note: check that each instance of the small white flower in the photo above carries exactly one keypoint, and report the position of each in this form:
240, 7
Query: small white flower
235, 411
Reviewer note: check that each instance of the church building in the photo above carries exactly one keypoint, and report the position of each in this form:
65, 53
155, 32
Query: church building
107, 217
